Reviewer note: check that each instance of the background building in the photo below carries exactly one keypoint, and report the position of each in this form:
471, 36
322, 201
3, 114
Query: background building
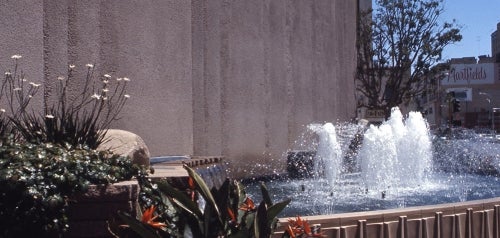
475, 86
495, 44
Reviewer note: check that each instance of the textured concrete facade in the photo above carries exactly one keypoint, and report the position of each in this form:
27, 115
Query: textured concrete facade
264, 69
209, 77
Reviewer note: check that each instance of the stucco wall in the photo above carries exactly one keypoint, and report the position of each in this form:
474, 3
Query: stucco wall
209, 77
146, 41
262, 70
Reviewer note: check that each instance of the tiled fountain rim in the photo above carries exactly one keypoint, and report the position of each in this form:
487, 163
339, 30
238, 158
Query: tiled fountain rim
339, 221
345, 219
191, 161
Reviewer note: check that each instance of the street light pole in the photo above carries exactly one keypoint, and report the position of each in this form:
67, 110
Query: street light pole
492, 111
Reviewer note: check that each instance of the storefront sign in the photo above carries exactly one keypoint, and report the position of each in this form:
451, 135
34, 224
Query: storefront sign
468, 74
375, 113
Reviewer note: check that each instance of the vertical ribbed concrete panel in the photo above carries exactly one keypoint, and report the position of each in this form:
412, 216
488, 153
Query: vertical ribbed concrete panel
263, 70
21, 24
147, 41
150, 42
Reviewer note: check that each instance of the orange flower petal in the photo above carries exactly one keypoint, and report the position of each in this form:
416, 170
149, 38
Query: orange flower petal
247, 205
231, 214
307, 228
157, 224
147, 214
290, 232
191, 183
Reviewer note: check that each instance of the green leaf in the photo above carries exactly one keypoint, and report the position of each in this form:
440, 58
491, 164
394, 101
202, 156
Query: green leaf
181, 199
223, 198
274, 210
243, 233
138, 226
261, 227
204, 191
265, 194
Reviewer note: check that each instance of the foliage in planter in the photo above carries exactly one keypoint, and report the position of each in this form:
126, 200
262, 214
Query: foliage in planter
47, 153
225, 212
37, 179
75, 111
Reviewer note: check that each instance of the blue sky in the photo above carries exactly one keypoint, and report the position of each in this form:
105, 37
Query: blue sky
478, 19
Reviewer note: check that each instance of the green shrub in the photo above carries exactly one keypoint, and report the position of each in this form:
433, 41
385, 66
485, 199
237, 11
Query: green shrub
226, 212
36, 181
47, 154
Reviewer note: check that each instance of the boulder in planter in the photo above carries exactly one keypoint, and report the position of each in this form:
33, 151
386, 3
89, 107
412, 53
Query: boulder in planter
126, 143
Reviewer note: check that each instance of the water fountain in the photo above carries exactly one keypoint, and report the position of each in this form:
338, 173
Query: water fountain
393, 169
396, 154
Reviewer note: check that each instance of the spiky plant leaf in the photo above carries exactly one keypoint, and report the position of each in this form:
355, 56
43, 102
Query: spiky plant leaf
274, 210
137, 226
204, 191
265, 194
261, 227
180, 199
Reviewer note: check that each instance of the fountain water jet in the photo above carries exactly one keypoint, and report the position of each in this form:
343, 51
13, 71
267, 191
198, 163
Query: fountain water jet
392, 169
328, 158
397, 153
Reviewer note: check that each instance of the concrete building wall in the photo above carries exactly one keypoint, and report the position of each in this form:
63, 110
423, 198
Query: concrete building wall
262, 70
146, 41
234, 78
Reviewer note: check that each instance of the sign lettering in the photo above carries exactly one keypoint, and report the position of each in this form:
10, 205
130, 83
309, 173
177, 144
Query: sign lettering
375, 113
467, 74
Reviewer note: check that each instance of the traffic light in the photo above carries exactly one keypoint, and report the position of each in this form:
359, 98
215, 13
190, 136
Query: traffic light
456, 105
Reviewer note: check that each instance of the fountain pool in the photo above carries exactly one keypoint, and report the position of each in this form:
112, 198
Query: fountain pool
399, 164
318, 197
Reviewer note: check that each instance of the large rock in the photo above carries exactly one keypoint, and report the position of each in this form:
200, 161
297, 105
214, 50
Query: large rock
126, 143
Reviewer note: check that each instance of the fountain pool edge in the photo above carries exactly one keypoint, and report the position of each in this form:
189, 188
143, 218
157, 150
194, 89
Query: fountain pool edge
457, 219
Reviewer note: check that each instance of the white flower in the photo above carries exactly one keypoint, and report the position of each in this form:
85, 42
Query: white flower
105, 90
126, 79
104, 98
72, 66
34, 84
8, 73
107, 76
119, 79
96, 96
17, 89
2, 110
126, 96
60, 78
105, 81
89, 66
16, 57
24, 80
49, 116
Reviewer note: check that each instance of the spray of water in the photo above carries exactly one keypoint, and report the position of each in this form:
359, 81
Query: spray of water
328, 159
396, 154
391, 169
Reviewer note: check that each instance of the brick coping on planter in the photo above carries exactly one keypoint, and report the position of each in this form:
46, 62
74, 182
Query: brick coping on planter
443, 220
90, 212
